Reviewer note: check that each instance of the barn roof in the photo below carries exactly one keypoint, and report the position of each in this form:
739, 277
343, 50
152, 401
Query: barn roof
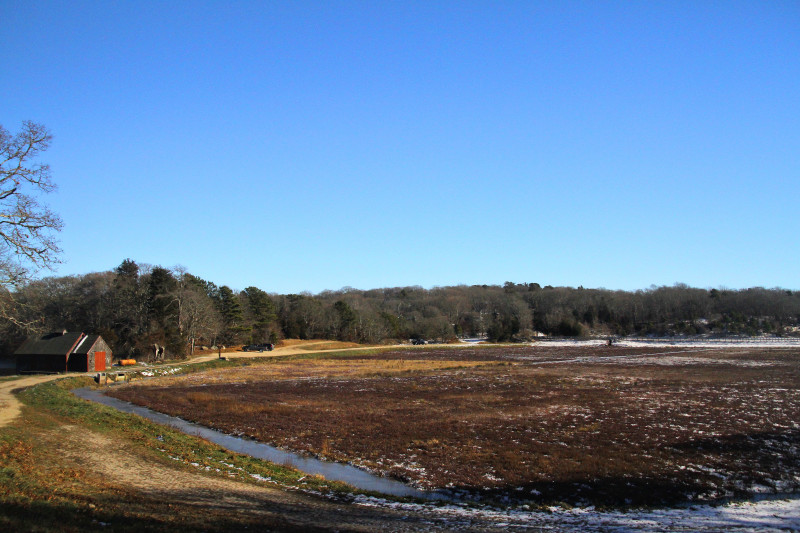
51, 344
86, 344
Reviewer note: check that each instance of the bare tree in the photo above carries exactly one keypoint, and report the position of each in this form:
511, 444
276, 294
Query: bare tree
199, 319
26, 227
27, 243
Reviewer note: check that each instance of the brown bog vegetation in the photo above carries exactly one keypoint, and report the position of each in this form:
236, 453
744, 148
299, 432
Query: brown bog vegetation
603, 425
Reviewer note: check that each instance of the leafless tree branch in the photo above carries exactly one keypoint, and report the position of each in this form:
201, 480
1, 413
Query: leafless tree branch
27, 242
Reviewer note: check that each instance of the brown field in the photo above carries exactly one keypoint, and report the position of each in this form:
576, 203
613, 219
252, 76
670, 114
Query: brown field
606, 425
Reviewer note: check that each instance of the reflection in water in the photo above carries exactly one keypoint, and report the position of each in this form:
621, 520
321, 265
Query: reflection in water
332, 471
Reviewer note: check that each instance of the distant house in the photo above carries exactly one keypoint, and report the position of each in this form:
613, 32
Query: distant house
64, 352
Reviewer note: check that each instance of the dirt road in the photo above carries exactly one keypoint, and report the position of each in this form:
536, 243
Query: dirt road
293, 349
10, 407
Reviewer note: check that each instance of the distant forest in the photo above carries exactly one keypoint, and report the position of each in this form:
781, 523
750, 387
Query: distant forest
136, 306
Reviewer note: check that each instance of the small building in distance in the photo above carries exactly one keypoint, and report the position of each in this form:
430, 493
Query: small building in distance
64, 352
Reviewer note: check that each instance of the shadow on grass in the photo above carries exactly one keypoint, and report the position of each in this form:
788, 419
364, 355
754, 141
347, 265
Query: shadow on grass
756, 443
45, 516
611, 492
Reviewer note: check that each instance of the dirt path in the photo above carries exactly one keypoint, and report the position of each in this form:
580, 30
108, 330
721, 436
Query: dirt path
10, 407
295, 349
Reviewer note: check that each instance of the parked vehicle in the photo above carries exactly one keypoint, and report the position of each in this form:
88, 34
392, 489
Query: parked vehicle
258, 347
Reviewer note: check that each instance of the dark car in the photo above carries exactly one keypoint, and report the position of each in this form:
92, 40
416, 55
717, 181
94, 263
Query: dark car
258, 347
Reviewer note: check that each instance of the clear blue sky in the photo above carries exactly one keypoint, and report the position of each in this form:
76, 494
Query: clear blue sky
303, 146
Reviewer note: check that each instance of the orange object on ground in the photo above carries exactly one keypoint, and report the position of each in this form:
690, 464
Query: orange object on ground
127, 362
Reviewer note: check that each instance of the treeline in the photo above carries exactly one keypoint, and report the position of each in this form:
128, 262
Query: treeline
137, 306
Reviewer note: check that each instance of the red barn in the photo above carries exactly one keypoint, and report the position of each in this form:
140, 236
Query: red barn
64, 352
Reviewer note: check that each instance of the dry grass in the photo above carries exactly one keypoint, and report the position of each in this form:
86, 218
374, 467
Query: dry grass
605, 425
297, 342
329, 345
316, 369
316, 344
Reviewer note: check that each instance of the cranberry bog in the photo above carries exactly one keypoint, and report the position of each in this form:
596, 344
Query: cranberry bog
596, 425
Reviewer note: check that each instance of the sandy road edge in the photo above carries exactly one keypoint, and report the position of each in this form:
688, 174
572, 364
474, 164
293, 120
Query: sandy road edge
10, 406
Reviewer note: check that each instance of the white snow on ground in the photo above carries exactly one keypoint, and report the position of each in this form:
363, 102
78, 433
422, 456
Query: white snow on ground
473, 340
161, 371
748, 342
694, 342
762, 516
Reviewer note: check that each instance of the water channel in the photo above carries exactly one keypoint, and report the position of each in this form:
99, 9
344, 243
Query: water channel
330, 470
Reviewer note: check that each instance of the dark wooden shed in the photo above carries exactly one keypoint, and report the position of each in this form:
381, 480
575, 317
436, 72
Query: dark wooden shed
62, 352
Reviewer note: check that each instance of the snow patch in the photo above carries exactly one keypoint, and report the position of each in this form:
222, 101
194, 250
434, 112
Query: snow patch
752, 516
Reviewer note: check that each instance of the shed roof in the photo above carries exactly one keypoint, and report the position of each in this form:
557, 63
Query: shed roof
50, 344
86, 344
